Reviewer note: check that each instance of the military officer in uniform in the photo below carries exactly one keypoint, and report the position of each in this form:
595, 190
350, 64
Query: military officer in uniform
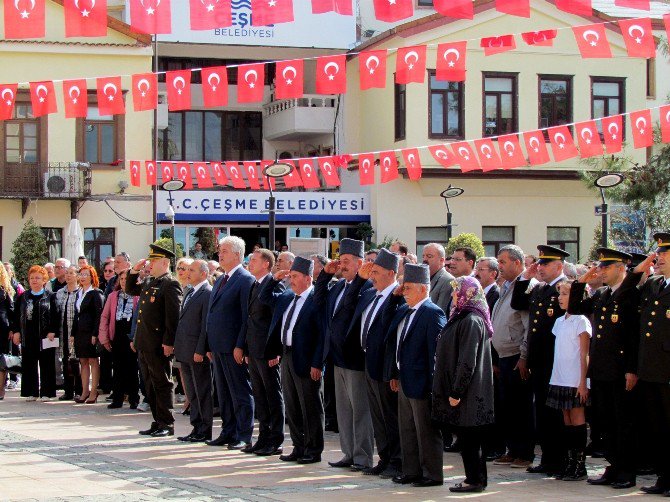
612, 358
541, 302
158, 316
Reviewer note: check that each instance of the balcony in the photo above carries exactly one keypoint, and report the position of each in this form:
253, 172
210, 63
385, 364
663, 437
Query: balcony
66, 180
297, 119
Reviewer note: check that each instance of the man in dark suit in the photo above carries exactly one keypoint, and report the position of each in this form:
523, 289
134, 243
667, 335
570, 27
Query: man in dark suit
190, 349
158, 315
225, 334
296, 325
486, 272
338, 303
412, 342
263, 358
440, 280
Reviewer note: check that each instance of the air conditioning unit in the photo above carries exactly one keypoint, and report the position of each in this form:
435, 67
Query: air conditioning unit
65, 185
162, 111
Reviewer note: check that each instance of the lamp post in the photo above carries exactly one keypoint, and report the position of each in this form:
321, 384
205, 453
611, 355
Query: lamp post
275, 170
449, 193
169, 187
607, 180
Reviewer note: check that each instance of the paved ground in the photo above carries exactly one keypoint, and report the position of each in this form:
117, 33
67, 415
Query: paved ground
60, 451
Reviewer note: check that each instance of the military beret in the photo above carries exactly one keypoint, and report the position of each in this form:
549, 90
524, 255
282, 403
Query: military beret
302, 265
387, 260
416, 274
353, 247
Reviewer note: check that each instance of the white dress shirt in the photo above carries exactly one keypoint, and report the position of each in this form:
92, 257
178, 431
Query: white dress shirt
80, 296
401, 326
296, 313
341, 295
384, 295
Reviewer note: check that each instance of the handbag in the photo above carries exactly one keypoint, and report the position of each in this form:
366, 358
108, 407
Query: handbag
10, 363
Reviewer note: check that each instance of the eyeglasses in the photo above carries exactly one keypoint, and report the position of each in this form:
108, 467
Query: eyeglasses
458, 259
183, 269
59, 266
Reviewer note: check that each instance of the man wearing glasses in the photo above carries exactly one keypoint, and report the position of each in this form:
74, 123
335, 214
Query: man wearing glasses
58, 282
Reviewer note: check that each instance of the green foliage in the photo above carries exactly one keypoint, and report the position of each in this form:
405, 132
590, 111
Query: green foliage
206, 237
29, 248
598, 242
466, 241
364, 232
166, 243
385, 243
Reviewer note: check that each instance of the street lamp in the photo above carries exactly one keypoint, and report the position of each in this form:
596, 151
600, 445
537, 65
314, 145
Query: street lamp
449, 193
275, 170
169, 187
607, 180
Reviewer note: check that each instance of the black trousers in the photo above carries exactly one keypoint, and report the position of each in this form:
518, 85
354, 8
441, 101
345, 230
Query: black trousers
198, 388
157, 370
516, 411
471, 440
656, 399
494, 438
71, 373
329, 401
268, 401
106, 363
384, 412
38, 373
548, 421
125, 379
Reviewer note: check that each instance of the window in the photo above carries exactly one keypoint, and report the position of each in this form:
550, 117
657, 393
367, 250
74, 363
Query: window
54, 238
445, 117
500, 104
651, 78
213, 135
566, 238
494, 238
22, 134
174, 64
607, 98
425, 235
425, 3
555, 100
99, 243
400, 110
99, 137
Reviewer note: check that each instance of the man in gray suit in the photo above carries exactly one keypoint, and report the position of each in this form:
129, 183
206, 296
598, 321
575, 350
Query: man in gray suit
440, 279
190, 349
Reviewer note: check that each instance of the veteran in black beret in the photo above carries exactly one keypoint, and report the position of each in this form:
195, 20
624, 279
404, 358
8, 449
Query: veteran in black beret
158, 316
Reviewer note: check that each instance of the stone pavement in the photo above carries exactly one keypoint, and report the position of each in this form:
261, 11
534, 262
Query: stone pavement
61, 451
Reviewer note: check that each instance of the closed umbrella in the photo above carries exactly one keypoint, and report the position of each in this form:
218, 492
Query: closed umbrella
74, 242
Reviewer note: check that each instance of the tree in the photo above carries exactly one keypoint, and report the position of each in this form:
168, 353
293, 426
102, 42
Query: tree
206, 237
166, 243
466, 241
29, 248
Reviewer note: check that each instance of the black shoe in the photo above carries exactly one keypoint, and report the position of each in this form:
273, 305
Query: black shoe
187, 411
465, 488
109, 398
253, 448
148, 432
133, 406
113, 406
220, 441
424, 482
597, 454
66, 397
601, 481
238, 445
198, 438
186, 439
623, 485
341, 463
292, 457
358, 467
653, 490
163, 432
405, 480
538, 469
494, 456
248, 448
268, 451
309, 459
454, 447
374, 471
390, 472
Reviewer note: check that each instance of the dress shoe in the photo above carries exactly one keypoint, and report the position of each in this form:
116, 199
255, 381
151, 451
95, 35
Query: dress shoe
92, 399
374, 471
81, 399
114, 406
238, 445
390, 472
358, 467
186, 439
653, 490
504, 460
292, 457
538, 469
402, 479
493, 456
148, 432
623, 485
341, 463
110, 398
266, 451
187, 411
163, 432
198, 438
424, 482
133, 406
601, 481
465, 488
309, 459
220, 441
520, 463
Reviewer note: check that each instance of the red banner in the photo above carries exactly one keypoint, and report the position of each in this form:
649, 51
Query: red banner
510, 152
496, 45
329, 171
519, 8
366, 169
43, 98
150, 169
235, 174
562, 144
579, 7
292, 179
592, 41
459, 9
184, 174
642, 128
633, 4
166, 171
443, 155
150, 16
219, 174
178, 84
145, 92
451, 62
343, 7
7, 99
588, 139
289, 79
392, 11
210, 15
266, 12
544, 38
24, 19
331, 76
134, 173
488, 157
412, 163
75, 98
665, 123
612, 128
536, 148
465, 157
110, 96
85, 18
308, 174
214, 86
372, 69
638, 35
202, 175
250, 83
411, 65
388, 164
252, 172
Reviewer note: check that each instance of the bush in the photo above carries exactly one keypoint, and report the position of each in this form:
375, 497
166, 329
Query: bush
166, 243
466, 241
29, 248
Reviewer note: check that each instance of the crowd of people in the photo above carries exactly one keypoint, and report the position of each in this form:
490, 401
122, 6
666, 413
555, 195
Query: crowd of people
484, 356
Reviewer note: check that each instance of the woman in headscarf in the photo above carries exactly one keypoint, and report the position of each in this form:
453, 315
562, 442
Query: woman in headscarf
463, 381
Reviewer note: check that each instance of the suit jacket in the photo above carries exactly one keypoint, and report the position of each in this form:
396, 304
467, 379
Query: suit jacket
492, 296
228, 306
339, 321
192, 327
440, 289
654, 308
375, 342
259, 317
87, 318
307, 341
416, 354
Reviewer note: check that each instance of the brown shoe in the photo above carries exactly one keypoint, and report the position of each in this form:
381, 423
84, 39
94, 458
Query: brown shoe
504, 460
521, 464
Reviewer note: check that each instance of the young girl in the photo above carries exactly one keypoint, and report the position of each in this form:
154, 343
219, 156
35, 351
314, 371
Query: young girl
567, 387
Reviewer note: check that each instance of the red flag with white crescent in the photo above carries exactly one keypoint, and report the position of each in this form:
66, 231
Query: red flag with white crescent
519, 8
250, 83
343, 7
592, 41
25, 19
166, 171
536, 148
329, 171
236, 174
85, 18
391, 11
266, 12
544, 38
488, 156
666, 23
178, 84
202, 175
292, 179
496, 45
412, 163
638, 35
388, 164
252, 172
7, 100
665, 123
289, 77
210, 14
214, 86
588, 139
443, 155
150, 16
411, 65
562, 143
634, 4
43, 98
219, 174
642, 128
331, 76
459, 9
464, 156
184, 174
366, 169
308, 173
75, 98
110, 96
372, 69
134, 171
145, 91
511, 154
266, 180
451, 61
150, 171
579, 7
612, 128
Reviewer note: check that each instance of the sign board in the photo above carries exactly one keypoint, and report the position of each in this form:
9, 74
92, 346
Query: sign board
600, 210
306, 247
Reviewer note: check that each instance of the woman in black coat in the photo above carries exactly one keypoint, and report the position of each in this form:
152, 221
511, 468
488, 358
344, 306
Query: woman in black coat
6, 320
463, 381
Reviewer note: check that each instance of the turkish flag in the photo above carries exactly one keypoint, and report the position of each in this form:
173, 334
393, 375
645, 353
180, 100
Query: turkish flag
214, 86
267, 12
202, 175
342, 161
372, 69
544, 38
579, 7
451, 62
496, 45
612, 128
150, 169
145, 91
536, 148
329, 171
252, 172
562, 144
588, 139
289, 78
666, 22
642, 128
209, 15
665, 123
510, 151
7, 99
110, 96
263, 165
488, 156
633, 4
24, 19
460, 9
519, 8
308, 174
443, 155
331, 77
411, 65
184, 174
464, 156
75, 98
150, 16
343, 7
43, 98
366, 169
236, 174
392, 11
166, 171
135, 173
389, 166
292, 179
412, 163
178, 84
592, 41
250, 83
85, 18
639, 37
219, 174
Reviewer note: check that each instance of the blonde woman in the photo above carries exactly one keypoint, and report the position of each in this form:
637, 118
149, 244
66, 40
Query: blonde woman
6, 319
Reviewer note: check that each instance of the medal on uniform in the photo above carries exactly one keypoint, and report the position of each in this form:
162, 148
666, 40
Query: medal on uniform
615, 318
550, 312
152, 299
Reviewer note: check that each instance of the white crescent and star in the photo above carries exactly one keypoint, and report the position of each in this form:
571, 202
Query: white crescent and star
463, 152
561, 144
387, 164
289, 69
372, 59
510, 151
636, 28
414, 55
591, 37
486, 150
177, 80
213, 76
644, 124
145, 82
109, 85
534, 141
455, 52
442, 154
586, 131
24, 13
251, 73
74, 93
332, 64
10, 99
39, 88
202, 172
366, 165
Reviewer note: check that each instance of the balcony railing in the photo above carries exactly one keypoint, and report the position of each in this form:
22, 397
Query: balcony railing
291, 119
64, 180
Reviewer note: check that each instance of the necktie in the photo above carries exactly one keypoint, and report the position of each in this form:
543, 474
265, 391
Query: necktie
252, 294
187, 298
287, 323
368, 321
403, 333
221, 284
